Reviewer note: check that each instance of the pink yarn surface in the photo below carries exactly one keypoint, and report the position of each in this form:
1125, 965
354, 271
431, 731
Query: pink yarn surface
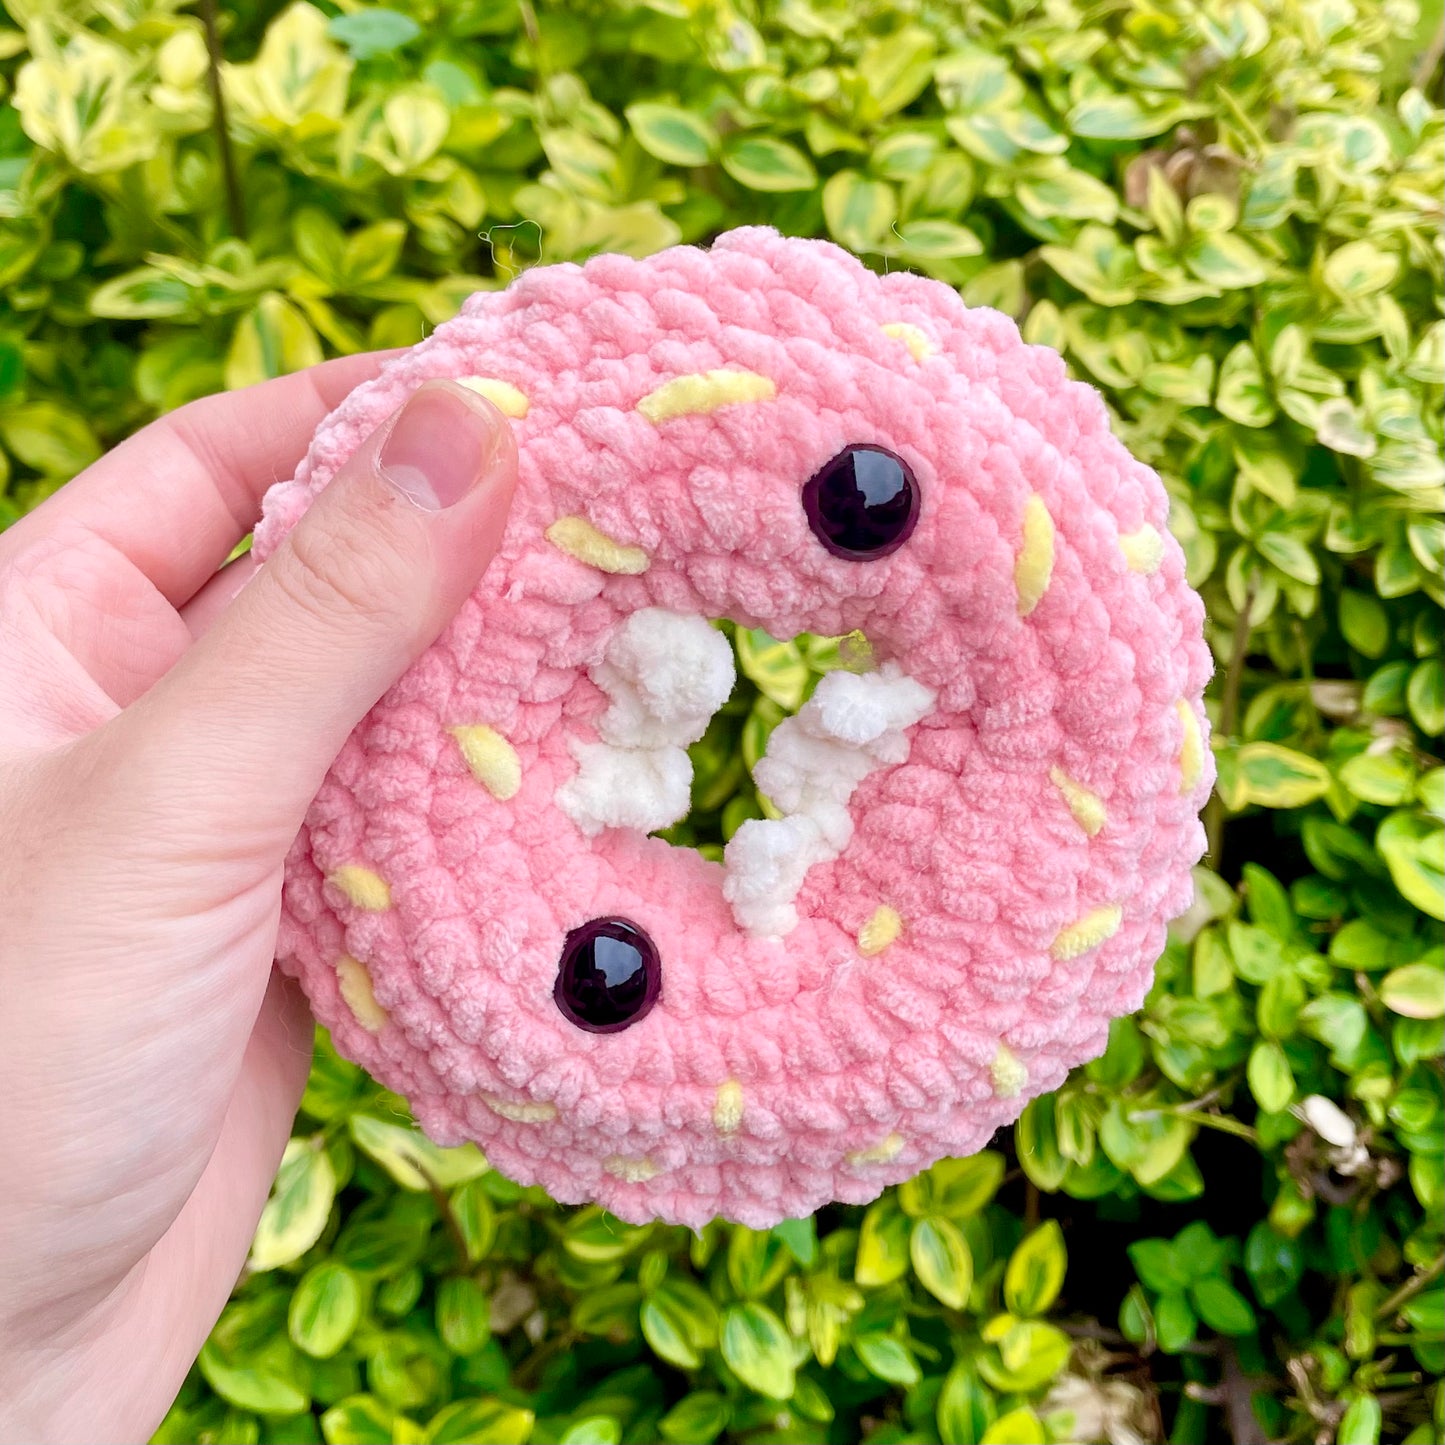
854, 1071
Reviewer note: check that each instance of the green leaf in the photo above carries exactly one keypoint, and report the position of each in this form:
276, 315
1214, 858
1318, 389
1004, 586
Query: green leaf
672, 134
1413, 848
1364, 623
1114, 117
49, 437
941, 1260
932, 240
1417, 991
801, 1238
1157, 1264
297, 1211
359, 1420
1290, 555
1425, 696
895, 68
1035, 1271
883, 1245
411, 1158
1274, 776
963, 1405
593, 1430
250, 1386
1174, 1321
757, 1349
142, 294
858, 210
271, 339
467, 1422
1271, 1080
696, 1419
1361, 1422
1358, 269
372, 32
1274, 1263
1029, 1353
667, 1334
325, 1309
1225, 260
463, 1315
1243, 394
886, 1357
763, 164
1384, 778
1020, 1426
1221, 1306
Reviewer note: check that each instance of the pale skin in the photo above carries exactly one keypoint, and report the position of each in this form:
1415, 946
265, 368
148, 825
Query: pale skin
163, 726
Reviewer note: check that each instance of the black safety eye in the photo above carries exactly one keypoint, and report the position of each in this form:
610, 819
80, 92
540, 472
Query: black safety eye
610, 975
863, 504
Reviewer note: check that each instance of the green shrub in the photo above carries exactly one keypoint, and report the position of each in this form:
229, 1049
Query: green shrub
1226, 215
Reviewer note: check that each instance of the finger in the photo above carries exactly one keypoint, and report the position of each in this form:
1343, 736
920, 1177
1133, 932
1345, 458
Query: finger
177, 496
218, 594
248, 721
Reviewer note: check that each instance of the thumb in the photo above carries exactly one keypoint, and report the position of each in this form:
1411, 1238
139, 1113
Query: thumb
246, 724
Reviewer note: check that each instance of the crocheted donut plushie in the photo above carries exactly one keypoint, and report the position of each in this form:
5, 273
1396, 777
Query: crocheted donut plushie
980, 840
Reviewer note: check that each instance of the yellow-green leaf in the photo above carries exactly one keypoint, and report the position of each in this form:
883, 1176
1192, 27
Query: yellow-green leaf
859, 211
672, 134
942, 1260
325, 1309
1274, 776
298, 1208
763, 164
1035, 1272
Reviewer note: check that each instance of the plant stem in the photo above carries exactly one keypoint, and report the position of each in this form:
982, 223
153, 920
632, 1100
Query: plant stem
1425, 69
235, 205
449, 1218
1411, 1287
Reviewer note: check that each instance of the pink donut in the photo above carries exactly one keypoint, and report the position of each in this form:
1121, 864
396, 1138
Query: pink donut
978, 842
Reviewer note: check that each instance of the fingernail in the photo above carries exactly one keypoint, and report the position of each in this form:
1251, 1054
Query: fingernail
441, 445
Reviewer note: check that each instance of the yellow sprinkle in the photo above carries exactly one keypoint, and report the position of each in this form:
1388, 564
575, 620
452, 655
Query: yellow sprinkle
879, 1153
492, 759
918, 342
364, 888
502, 394
727, 1112
1191, 749
1009, 1074
1143, 550
355, 985
703, 392
634, 1171
1089, 932
1035, 564
578, 538
1086, 807
520, 1113
880, 930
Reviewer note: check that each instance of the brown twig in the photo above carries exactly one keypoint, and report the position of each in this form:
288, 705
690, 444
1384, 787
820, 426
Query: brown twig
1228, 721
1425, 66
235, 203
449, 1218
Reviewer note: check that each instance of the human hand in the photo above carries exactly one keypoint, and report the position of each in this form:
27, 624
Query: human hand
161, 734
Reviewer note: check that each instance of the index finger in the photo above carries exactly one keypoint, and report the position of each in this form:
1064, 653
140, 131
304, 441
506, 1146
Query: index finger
176, 497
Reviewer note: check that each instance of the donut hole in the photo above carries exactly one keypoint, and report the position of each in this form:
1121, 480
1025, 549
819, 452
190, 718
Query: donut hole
775, 678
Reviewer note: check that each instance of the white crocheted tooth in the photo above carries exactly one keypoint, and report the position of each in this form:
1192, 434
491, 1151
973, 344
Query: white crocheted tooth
665, 674
850, 727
